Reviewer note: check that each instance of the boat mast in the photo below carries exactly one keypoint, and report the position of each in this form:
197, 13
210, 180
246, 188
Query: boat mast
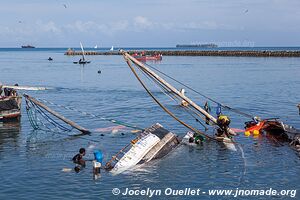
83, 57
173, 89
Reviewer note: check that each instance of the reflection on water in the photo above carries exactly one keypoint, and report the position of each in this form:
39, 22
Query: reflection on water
9, 134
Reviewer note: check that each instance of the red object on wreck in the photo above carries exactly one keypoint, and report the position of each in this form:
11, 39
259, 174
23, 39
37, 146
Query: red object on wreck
143, 57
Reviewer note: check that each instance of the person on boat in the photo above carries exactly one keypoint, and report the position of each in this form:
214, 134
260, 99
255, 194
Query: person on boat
7, 92
78, 160
223, 122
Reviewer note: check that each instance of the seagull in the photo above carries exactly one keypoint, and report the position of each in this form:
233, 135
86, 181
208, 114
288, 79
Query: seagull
20, 22
246, 11
65, 5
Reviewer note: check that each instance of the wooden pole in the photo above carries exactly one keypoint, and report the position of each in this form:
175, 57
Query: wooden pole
173, 89
71, 123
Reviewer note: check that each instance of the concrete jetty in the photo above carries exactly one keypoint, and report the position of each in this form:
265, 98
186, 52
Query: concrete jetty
196, 53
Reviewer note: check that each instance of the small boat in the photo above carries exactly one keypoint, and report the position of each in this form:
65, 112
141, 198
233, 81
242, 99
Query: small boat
82, 60
143, 57
153, 143
10, 108
275, 128
50, 59
27, 46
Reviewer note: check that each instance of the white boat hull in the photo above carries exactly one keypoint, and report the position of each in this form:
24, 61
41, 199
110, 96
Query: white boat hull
136, 153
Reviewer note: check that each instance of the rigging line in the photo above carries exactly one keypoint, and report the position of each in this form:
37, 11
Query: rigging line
161, 87
178, 98
95, 116
207, 97
163, 107
175, 98
197, 120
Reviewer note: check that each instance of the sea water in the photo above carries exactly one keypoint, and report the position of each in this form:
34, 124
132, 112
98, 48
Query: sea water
31, 162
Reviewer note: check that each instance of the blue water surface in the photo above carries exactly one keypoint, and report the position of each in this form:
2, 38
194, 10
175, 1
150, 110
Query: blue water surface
31, 162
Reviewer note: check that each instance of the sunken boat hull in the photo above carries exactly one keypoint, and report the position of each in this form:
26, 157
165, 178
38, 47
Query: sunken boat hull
155, 142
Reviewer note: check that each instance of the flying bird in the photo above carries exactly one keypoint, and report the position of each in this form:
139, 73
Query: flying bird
65, 5
246, 11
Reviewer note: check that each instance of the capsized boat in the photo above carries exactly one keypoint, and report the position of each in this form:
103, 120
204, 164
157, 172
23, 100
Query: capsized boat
153, 143
167, 88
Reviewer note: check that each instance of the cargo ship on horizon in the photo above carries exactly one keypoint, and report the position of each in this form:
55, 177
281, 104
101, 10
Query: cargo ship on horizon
27, 46
211, 45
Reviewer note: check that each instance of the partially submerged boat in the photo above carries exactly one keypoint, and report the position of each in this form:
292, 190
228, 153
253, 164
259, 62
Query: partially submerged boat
175, 94
276, 128
153, 143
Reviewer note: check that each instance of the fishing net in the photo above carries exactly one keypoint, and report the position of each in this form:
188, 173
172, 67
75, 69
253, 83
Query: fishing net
40, 119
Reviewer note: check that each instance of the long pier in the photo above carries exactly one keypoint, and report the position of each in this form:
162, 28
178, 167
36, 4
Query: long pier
197, 53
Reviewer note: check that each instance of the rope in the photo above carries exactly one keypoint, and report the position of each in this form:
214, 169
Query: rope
163, 107
94, 116
172, 96
205, 96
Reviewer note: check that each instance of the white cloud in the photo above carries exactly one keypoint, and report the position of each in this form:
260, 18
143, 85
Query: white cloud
93, 27
141, 22
47, 27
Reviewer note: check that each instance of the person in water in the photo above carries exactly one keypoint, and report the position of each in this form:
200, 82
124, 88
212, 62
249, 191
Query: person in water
78, 160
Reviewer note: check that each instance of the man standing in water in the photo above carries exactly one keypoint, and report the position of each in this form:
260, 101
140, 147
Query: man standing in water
78, 160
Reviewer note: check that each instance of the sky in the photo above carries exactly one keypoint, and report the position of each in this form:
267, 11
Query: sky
149, 23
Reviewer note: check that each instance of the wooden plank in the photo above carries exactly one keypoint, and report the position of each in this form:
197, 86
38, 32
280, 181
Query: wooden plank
71, 123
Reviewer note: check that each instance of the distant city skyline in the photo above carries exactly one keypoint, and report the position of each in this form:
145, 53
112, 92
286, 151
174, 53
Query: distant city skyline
154, 23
